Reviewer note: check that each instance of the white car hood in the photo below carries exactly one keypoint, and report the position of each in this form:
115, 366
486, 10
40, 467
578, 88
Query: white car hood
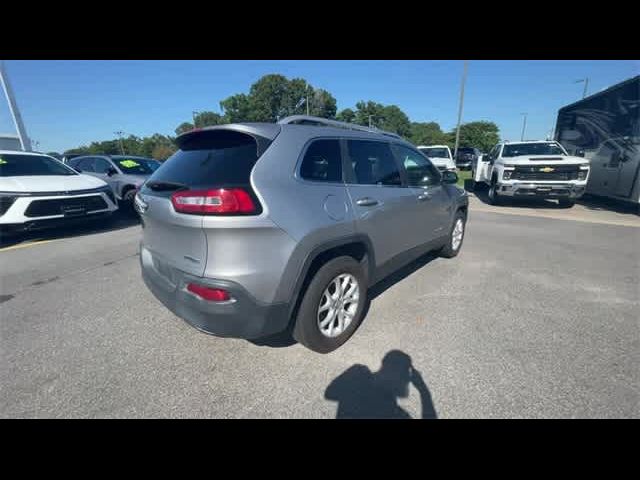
49, 183
544, 160
442, 162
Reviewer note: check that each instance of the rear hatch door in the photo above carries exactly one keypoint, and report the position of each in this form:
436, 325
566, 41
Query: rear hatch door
208, 159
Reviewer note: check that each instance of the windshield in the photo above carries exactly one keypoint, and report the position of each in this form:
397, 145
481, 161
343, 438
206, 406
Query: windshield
532, 149
134, 166
17, 165
436, 152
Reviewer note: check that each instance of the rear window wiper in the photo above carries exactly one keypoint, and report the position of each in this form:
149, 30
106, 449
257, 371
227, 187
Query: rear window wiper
166, 186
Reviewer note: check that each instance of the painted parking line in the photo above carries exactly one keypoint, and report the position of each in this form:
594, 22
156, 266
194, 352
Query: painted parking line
25, 245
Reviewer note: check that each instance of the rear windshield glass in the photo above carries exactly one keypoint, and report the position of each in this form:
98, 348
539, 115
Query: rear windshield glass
16, 165
133, 166
211, 159
465, 150
531, 149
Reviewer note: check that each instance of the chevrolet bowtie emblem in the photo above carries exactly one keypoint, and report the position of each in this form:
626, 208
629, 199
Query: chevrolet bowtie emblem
547, 169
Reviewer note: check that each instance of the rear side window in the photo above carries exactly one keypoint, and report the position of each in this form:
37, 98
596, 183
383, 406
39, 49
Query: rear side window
322, 162
373, 163
212, 159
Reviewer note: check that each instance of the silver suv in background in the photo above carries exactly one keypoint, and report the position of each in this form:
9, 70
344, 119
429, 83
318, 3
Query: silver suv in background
251, 229
124, 173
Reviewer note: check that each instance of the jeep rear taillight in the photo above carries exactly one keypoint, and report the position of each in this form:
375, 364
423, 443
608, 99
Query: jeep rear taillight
220, 201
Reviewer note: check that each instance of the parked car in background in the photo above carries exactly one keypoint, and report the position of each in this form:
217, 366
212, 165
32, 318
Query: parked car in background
68, 156
466, 157
337, 206
124, 173
152, 163
440, 155
37, 191
540, 169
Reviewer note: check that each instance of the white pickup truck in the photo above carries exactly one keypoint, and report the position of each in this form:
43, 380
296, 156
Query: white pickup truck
540, 169
440, 156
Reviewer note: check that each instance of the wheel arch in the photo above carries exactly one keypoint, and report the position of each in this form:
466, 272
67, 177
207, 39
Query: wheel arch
358, 246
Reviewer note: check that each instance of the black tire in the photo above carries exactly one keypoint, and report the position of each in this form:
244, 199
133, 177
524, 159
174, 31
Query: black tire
566, 202
492, 194
306, 329
448, 251
127, 201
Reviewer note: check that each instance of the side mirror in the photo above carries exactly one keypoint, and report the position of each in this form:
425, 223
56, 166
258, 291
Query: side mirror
112, 171
449, 176
580, 153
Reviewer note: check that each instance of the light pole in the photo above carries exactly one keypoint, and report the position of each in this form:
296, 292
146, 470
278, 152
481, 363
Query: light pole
464, 80
370, 116
586, 85
307, 101
119, 134
524, 125
193, 114
25, 142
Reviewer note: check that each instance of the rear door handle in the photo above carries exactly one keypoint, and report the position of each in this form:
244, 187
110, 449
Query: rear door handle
424, 196
366, 202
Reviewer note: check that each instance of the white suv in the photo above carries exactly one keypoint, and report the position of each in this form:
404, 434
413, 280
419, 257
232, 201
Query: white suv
540, 169
37, 191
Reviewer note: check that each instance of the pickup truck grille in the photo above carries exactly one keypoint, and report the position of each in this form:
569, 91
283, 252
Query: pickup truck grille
546, 172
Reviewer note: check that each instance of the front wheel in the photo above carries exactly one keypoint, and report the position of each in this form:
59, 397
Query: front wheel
456, 236
492, 194
333, 305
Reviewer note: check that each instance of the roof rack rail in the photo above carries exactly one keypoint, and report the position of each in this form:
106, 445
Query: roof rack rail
311, 120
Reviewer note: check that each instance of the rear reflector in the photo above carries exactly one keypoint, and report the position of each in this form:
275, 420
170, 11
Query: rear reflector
218, 201
209, 293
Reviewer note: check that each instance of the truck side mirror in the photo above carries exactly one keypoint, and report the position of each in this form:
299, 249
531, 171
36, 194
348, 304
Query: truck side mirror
580, 153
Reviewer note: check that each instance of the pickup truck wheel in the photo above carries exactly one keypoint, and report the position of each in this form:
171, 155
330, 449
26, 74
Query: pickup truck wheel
492, 194
456, 236
332, 306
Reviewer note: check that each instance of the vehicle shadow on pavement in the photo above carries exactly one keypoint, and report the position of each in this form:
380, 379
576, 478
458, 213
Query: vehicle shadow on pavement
592, 202
285, 339
119, 220
481, 194
361, 393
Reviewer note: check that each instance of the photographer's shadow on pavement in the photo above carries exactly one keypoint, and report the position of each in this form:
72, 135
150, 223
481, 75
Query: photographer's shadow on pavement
361, 393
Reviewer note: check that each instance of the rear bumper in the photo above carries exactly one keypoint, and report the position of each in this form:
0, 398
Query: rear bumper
244, 317
544, 190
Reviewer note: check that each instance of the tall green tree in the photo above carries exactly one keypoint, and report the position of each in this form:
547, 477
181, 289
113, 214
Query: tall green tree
208, 119
274, 97
237, 108
482, 135
184, 127
427, 133
346, 115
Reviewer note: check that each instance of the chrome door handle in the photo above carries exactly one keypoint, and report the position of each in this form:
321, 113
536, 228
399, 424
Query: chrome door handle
424, 196
366, 202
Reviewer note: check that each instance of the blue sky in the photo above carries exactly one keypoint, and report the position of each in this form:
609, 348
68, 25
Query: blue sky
68, 103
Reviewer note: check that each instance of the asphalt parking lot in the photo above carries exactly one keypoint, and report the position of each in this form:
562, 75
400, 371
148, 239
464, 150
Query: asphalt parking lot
537, 317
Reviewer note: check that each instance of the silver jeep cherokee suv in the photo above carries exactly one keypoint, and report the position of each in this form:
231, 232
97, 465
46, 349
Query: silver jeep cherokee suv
257, 228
